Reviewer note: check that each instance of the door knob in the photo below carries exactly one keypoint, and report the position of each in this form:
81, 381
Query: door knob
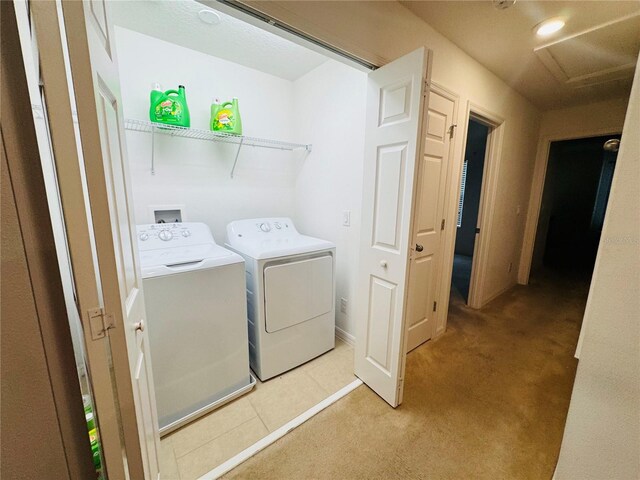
419, 247
383, 263
139, 326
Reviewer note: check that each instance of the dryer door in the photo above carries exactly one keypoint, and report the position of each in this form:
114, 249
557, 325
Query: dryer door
297, 291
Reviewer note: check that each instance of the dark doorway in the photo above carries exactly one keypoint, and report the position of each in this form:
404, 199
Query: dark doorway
576, 191
469, 206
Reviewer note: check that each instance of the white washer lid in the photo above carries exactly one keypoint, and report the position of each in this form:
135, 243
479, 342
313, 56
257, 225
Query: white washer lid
262, 238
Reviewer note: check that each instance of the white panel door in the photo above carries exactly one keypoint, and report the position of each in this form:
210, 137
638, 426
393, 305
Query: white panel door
101, 125
424, 271
395, 103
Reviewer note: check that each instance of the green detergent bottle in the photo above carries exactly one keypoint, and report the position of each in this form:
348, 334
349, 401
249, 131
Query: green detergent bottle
226, 117
169, 107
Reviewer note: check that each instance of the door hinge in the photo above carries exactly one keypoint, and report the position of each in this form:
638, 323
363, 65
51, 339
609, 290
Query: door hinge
442, 225
427, 87
452, 130
99, 322
435, 305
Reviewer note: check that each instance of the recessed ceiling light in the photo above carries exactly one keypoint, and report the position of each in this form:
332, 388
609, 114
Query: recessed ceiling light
548, 27
209, 16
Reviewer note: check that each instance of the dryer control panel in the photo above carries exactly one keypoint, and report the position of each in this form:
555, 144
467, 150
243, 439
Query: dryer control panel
256, 228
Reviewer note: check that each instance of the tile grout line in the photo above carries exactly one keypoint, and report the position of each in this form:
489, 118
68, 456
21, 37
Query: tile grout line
173, 454
217, 436
171, 436
257, 412
260, 417
279, 433
326, 392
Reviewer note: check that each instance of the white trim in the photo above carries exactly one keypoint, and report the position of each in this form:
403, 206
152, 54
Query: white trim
345, 336
279, 433
488, 191
537, 189
499, 292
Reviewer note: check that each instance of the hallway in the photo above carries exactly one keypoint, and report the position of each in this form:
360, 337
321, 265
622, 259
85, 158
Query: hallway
488, 399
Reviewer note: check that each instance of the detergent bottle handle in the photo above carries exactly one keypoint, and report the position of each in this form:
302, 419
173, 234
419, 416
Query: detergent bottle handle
172, 92
227, 104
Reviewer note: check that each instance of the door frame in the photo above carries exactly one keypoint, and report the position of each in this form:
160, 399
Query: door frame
491, 168
537, 189
95, 284
26, 194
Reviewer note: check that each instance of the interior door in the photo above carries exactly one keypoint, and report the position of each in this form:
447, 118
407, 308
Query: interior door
119, 314
104, 148
429, 221
396, 99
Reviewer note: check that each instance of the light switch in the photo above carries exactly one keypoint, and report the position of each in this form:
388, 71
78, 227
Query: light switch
343, 305
346, 218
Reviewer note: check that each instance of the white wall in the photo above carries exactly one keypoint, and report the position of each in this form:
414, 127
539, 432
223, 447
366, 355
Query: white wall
383, 31
195, 173
602, 434
590, 120
330, 105
325, 107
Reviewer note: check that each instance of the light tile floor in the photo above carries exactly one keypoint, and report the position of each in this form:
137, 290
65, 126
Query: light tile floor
209, 441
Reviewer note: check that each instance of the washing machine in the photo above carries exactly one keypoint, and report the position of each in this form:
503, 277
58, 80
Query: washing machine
194, 293
290, 283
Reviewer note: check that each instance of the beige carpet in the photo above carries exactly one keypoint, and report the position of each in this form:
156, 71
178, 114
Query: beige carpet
486, 400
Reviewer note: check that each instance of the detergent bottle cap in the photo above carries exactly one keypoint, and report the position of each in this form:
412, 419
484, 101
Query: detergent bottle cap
156, 86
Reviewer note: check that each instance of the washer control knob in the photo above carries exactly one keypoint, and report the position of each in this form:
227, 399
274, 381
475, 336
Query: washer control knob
165, 235
265, 227
277, 225
186, 233
144, 236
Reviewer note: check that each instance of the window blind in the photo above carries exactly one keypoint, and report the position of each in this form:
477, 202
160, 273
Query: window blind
463, 181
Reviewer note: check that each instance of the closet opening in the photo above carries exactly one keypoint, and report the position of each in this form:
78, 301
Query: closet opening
272, 124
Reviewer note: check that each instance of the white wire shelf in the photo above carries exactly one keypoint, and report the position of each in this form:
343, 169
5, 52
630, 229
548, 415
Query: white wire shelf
207, 135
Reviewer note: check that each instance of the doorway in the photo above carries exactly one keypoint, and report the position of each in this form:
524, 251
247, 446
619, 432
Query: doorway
469, 206
574, 200
155, 169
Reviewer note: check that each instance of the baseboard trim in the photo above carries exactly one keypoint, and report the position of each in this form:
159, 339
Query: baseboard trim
279, 433
495, 295
347, 337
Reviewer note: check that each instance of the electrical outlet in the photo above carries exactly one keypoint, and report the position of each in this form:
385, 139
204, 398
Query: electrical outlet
346, 218
343, 305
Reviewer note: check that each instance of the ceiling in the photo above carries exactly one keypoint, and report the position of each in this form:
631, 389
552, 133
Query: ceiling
591, 59
232, 39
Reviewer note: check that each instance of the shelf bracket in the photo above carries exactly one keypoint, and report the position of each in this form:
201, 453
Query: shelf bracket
235, 161
153, 149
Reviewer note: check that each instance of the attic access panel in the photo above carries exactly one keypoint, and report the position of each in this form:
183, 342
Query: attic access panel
601, 54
